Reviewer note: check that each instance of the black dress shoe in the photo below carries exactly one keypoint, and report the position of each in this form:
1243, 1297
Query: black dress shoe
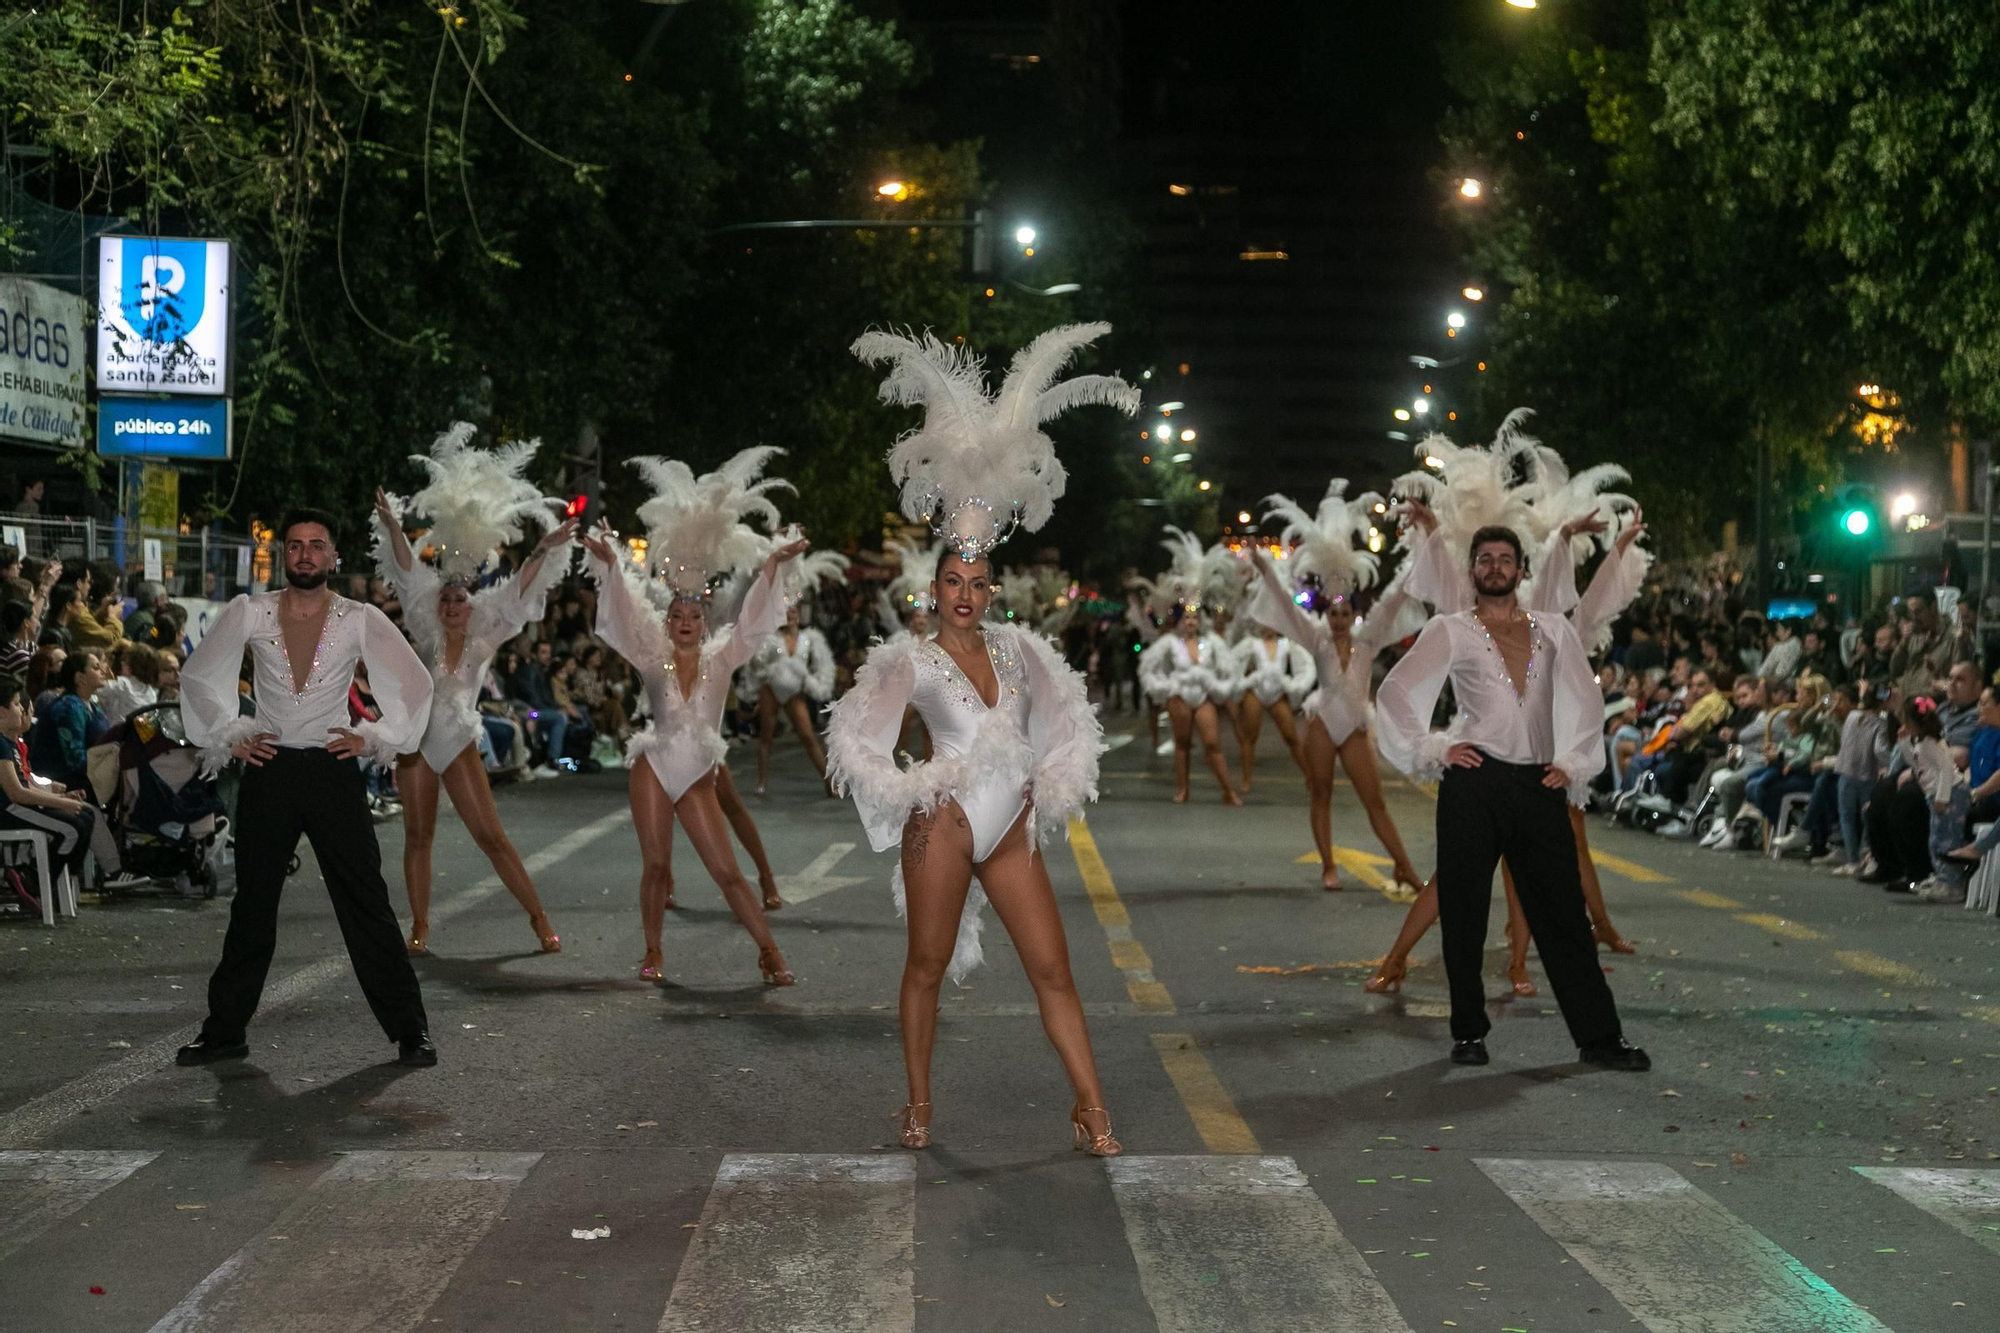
417, 1051
1471, 1052
1619, 1054
206, 1050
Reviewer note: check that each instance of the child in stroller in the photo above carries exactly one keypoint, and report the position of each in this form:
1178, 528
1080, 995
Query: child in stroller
168, 817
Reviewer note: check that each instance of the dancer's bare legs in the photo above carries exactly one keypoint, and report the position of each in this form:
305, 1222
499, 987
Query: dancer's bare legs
653, 819
745, 828
472, 796
701, 817
1320, 755
1208, 724
1249, 722
937, 872
1593, 891
1423, 914
1288, 728
1180, 719
799, 714
1357, 755
418, 788
1152, 724
767, 732
1517, 938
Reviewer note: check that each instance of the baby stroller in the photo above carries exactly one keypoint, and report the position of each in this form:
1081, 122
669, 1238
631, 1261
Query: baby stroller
168, 818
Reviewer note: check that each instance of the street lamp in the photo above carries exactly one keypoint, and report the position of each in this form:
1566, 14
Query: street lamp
1421, 406
1187, 458
1187, 437
1242, 516
1524, 4
1203, 486
1024, 235
1470, 188
892, 189
1903, 505
1402, 414
1473, 293
1456, 319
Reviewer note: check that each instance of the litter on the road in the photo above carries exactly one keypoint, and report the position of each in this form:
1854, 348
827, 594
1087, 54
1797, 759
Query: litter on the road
592, 1233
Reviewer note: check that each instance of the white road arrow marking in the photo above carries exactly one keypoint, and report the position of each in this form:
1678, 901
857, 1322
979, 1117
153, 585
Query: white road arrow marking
818, 878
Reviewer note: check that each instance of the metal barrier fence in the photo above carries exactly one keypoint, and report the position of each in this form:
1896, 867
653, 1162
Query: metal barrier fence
205, 564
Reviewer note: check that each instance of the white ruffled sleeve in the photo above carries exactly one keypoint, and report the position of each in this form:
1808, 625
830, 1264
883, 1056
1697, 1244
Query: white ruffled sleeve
1578, 706
416, 589
763, 611
1553, 588
1613, 588
1301, 673
819, 666
505, 609
861, 737
625, 618
211, 703
401, 685
1270, 606
1406, 700
1063, 733
1156, 671
1439, 576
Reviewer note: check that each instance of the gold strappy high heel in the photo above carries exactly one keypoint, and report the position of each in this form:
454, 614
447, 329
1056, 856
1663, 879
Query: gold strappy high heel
909, 1133
1607, 934
771, 964
652, 967
539, 923
420, 939
1517, 974
1097, 1145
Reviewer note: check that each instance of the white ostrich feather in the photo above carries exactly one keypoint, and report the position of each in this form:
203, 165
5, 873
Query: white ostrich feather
809, 572
1030, 597
697, 528
477, 500
980, 464
1479, 485
1560, 499
917, 570
1331, 543
1199, 578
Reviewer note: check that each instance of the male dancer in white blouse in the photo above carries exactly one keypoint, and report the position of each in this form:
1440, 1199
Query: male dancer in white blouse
1528, 731
303, 777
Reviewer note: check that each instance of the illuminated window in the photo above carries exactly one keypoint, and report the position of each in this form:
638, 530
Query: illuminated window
1180, 189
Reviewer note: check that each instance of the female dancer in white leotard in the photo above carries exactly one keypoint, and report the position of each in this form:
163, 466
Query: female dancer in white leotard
695, 534
480, 503
1276, 677
793, 671
1330, 567
1014, 740
1190, 668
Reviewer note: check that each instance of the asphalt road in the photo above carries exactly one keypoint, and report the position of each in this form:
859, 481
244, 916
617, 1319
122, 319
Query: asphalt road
1817, 1148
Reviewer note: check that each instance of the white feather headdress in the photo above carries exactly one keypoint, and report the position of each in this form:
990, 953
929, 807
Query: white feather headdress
1200, 578
697, 528
476, 500
1038, 598
981, 465
1560, 499
809, 572
1478, 485
910, 590
1331, 542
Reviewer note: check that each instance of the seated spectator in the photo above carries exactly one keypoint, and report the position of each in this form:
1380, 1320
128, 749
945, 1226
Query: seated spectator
18, 630
1898, 813
1816, 830
607, 712
136, 684
1820, 658
1943, 784
43, 677
148, 598
1872, 653
1782, 658
27, 804
59, 744
572, 731
1761, 722
1791, 770
1675, 757
91, 619
170, 676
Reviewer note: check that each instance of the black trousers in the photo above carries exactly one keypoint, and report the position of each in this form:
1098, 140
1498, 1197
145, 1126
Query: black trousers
326, 799
1898, 819
1496, 810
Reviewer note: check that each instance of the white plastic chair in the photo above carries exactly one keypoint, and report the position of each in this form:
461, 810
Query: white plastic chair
64, 885
1790, 810
1982, 892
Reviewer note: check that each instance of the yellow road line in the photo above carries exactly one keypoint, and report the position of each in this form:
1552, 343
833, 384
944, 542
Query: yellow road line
1883, 969
1208, 1103
1631, 870
1362, 866
1779, 925
1703, 898
1127, 954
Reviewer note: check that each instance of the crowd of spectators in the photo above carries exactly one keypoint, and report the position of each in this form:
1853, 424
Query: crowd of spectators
1869, 745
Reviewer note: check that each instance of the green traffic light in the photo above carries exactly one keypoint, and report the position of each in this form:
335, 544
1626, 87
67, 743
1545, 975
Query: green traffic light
1856, 521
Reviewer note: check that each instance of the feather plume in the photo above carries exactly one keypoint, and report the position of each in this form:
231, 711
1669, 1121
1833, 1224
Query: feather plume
980, 465
697, 527
1200, 578
1036, 598
477, 500
1331, 542
1478, 485
910, 590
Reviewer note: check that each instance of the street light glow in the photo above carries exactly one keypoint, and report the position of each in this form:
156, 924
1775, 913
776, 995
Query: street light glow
1473, 293
1470, 187
1402, 414
1204, 486
1024, 235
1433, 462
1168, 409
1183, 458
1869, 390
1903, 506
1524, 4
1456, 319
1421, 406
1242, 516
1187, 437
892, 189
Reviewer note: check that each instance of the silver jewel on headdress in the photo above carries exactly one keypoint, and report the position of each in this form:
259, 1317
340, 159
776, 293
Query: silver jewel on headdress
980, 466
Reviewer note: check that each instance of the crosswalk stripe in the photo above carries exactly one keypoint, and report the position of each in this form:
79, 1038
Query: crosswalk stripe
1242, 1242
1674, 1257
370, 1245
1966, 1198
798, 1241
39, 1189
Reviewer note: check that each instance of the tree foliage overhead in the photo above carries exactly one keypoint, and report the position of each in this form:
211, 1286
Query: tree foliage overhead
1689, 254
